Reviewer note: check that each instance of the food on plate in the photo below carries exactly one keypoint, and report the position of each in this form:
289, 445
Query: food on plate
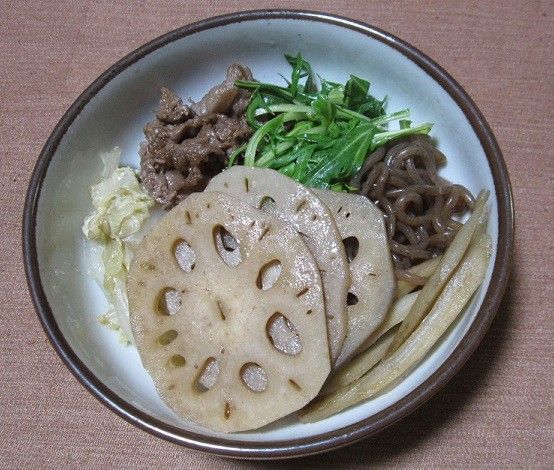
419, 205
374, 347
458, 291
416, 276
188, 144
121, 207
442, 273
318, 135
396, 315
308, 255
291, 202
227, 346
360, 364
371, 291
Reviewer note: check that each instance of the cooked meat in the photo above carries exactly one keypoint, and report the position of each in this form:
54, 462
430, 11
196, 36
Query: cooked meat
221, 98
187, 145
171, 108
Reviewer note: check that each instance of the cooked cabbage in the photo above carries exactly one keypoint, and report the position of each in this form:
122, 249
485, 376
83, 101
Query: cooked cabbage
121, 206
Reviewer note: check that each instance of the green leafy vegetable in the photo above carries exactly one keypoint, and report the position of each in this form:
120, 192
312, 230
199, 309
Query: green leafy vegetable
355, 92
343, 159
302, 69
319, 137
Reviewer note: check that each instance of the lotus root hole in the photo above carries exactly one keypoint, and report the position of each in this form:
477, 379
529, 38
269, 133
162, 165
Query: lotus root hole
351, 299
169, 301
167, 337
269, 274
184, 255
253, 377
267, 204
227, 246
351, 246
177, 360
227, 410
207, 375
283, 334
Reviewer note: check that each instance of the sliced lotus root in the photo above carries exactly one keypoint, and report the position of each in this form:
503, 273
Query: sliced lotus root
362, 229
288, 200
227, 312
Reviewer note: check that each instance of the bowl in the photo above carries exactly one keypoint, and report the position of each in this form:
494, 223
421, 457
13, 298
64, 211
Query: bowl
112, 111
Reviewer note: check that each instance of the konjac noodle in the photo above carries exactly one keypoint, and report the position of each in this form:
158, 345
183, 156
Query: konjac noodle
420, 207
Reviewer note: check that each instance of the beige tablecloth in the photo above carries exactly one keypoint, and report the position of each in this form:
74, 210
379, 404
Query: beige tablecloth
497, 412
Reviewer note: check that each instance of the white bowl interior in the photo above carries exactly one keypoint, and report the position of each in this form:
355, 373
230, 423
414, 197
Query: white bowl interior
190, 66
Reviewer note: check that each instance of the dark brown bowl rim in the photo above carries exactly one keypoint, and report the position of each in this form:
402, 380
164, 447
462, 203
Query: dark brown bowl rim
228, 446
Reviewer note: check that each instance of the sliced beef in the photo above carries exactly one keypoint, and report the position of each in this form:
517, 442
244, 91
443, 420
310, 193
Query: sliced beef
221, 98
172, 109
187, 145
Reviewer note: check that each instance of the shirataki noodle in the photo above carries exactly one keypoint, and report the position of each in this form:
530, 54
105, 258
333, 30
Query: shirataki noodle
419, 206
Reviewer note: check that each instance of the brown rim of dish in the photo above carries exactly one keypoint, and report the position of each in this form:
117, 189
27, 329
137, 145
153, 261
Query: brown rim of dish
227, 446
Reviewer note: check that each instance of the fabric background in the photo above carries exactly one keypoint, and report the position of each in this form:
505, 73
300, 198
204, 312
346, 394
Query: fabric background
497, 412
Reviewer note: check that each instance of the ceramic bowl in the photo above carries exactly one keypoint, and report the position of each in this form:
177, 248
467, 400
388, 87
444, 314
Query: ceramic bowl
112, 111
